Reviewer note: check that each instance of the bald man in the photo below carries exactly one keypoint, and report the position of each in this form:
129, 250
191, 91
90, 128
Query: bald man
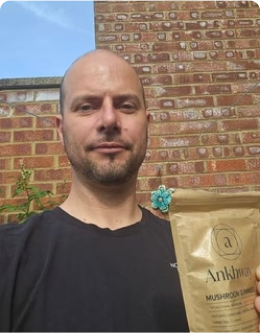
99, 262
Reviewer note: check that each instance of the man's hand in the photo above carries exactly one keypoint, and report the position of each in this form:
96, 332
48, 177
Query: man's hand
257, 300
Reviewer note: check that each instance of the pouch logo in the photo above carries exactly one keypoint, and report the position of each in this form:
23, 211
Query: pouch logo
226, 242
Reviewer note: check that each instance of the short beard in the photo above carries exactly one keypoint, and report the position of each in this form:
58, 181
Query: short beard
109, 173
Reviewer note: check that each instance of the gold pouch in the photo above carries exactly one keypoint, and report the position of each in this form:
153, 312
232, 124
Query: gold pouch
216, 243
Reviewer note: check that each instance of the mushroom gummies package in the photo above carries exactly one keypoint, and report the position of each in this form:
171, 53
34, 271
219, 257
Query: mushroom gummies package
216, 238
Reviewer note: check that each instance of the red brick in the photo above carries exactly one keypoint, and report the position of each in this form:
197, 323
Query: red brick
49, 148
153, 183
50, 175
213, 89
11, 123
10, 177
220, 139
35, 162
214, 34
164, 155
185, 167
107, 38
63, 161
249, 111
195, 5
167, 142
201, 181
103, 27
238, 151
226, 165
128, 6
248, 33
247, 13
244, 178
218, 113
253, 164
63, 188
16, 150
148, 170
46, 122
245, 65
34, 109
166, 47
208, 66
40, 135
201, 153
229, 77
170, 181
193, 102
238, 125
168, 91
253, 150
212, 15
5, 136
103, 7
243, 44
233, 100
184, 128
5, 164
157, 80
3, 192
250, 137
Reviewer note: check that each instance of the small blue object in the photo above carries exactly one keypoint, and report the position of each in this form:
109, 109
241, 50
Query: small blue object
161, 198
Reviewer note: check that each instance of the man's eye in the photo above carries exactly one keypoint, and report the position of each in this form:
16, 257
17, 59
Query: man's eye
86, 107
128, 106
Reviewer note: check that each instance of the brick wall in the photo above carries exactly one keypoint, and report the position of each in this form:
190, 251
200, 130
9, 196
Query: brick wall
196, 59
28, 135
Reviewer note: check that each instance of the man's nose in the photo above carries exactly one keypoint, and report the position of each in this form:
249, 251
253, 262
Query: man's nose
109, 117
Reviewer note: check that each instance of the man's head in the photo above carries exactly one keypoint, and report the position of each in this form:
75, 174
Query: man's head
63, 81
103, 122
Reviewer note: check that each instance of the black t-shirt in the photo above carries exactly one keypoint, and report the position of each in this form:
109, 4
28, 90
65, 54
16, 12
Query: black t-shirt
60, 274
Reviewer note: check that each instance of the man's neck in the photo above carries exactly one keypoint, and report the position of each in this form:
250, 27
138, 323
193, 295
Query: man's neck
112, 207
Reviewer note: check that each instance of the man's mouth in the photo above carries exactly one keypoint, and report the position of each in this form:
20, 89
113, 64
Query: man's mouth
109, 148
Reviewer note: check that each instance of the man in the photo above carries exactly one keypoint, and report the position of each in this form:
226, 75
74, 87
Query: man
99, 262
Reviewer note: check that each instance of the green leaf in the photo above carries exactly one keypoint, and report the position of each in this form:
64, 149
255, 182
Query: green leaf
9, 208
17, 191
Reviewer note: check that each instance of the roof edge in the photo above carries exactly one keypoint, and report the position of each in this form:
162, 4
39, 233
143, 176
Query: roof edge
30, 83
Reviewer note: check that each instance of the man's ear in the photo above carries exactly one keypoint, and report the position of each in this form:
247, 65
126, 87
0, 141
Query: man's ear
59, 127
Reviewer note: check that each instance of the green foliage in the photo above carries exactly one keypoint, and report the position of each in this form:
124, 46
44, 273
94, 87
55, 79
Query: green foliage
33, 197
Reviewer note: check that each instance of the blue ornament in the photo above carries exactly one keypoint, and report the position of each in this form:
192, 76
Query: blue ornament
161, 198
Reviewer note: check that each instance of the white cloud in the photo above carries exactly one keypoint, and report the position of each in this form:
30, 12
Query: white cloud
45, 11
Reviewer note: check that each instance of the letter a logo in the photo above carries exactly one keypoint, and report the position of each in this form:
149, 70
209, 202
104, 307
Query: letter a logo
226, 242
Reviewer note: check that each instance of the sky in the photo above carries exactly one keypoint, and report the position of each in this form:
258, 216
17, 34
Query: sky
42, 38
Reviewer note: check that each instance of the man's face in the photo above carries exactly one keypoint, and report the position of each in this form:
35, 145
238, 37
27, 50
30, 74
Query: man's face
104, 125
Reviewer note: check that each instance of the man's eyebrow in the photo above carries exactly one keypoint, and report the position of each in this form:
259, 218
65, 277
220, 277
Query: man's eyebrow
83, 98
127, 96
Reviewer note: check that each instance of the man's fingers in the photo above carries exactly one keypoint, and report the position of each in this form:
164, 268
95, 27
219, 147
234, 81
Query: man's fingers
258, 273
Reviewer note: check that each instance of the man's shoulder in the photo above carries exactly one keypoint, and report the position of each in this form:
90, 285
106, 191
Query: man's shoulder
25, 227
156, 220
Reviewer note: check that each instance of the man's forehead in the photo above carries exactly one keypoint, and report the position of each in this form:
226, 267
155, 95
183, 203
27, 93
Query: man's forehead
92, 66
99, 67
